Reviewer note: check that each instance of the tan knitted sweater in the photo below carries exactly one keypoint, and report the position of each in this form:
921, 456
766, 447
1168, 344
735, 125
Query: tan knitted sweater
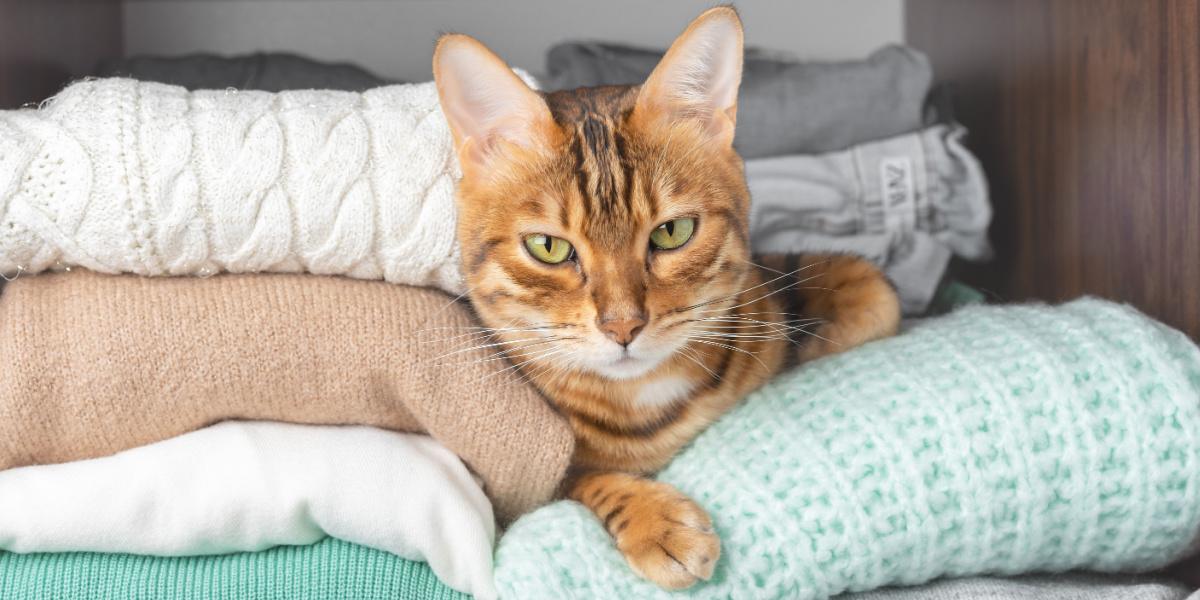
93, 364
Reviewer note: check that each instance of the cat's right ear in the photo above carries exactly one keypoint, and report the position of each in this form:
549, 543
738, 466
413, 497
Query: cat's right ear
486, 104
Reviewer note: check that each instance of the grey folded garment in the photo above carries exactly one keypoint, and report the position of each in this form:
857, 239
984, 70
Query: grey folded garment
907, 203
1068, 586
266, 71
784, 106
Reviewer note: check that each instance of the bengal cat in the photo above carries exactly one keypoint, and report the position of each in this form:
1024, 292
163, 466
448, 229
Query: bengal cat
605, 242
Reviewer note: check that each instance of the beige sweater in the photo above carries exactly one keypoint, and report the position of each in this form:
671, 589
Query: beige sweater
94, 364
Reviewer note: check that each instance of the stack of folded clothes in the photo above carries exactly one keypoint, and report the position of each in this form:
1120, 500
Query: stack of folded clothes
839, 156
232, 368
212, 345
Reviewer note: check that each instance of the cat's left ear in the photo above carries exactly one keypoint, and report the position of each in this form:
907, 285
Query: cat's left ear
698, 77
485, 103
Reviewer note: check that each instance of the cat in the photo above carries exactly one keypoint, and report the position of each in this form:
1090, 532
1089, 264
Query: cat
605, 245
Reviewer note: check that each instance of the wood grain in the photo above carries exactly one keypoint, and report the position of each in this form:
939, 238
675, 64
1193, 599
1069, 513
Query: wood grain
1086, 115
46, 43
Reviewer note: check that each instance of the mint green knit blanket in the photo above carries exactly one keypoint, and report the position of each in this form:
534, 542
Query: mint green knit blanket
996, 440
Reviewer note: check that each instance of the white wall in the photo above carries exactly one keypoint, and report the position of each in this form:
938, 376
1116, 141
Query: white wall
394, 38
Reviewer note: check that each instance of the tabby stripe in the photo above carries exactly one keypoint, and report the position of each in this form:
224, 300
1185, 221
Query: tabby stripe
622, 525
718, 375
795, 300
626, 167
616, 512
481, 255
596, 135
791, 263
493, 297
591, 499
581, 176
664, 420
735, 224
601, 502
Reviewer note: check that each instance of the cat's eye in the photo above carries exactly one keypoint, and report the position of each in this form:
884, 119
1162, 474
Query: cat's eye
547, 248
672, 234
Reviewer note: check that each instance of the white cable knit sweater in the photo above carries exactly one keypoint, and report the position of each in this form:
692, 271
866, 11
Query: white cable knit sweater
118, 175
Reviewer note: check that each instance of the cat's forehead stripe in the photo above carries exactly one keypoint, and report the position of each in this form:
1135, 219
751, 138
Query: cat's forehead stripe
605, 174
602, 165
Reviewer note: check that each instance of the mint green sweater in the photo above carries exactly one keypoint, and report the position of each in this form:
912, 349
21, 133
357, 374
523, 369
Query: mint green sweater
328, 570
995, 440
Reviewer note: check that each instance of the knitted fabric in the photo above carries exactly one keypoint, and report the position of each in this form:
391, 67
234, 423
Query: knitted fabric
328, 570
95, 364
122, 176
994, 440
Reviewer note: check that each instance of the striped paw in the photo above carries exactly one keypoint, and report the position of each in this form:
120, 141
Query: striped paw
665, 536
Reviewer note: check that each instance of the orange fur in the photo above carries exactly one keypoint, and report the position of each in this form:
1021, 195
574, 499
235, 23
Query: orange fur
601, 168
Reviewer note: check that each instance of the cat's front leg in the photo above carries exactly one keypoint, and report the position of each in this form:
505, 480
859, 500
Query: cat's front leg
665, 536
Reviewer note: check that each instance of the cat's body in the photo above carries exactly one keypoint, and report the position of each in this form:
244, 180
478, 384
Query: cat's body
605, 242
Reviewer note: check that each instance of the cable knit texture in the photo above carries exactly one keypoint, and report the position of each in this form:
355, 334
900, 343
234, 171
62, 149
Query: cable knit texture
122, 176
94, 364
994, 440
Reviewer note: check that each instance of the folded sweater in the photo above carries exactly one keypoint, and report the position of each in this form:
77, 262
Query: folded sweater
907, 203
337, 570
784, 106
94, 364
995, 440
245, 486
328, 570
122, 176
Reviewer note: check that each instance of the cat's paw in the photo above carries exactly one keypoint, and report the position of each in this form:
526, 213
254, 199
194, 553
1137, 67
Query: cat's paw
664, 536
667, 539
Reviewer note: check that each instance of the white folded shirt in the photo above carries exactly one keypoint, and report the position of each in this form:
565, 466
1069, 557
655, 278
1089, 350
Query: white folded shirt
247, 486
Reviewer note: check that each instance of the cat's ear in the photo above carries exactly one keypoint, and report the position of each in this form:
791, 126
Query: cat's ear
485, 103
698, 77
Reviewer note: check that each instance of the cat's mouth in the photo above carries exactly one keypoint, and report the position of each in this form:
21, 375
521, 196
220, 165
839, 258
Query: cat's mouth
626, 359
627, 363
626, 367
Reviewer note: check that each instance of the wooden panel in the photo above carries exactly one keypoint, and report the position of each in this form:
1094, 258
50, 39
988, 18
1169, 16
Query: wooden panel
1086, 115
46, 43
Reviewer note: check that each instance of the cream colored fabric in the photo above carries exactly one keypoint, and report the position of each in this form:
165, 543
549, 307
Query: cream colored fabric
242, 486
94, 364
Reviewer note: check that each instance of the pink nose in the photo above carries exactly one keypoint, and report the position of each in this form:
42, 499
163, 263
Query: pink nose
622, 331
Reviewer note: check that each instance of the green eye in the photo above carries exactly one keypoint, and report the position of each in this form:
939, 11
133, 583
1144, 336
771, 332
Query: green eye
548, 249
672, 234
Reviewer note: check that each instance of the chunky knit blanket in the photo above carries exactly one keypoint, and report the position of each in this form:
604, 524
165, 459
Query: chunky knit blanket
122, 176
995, 440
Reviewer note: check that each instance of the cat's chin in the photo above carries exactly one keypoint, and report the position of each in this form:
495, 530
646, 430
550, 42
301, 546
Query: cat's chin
626, 367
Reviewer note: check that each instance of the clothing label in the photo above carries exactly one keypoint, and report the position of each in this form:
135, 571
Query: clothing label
899, 197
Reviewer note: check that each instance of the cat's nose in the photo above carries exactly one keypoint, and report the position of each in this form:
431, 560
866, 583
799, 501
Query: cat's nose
622, 330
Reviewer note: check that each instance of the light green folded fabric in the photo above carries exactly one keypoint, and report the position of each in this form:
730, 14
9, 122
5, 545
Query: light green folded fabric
330, 569
994, 440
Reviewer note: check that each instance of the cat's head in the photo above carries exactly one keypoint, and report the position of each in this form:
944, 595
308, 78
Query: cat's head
597, 224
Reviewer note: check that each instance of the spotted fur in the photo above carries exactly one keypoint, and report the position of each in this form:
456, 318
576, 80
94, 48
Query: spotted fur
601, 168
